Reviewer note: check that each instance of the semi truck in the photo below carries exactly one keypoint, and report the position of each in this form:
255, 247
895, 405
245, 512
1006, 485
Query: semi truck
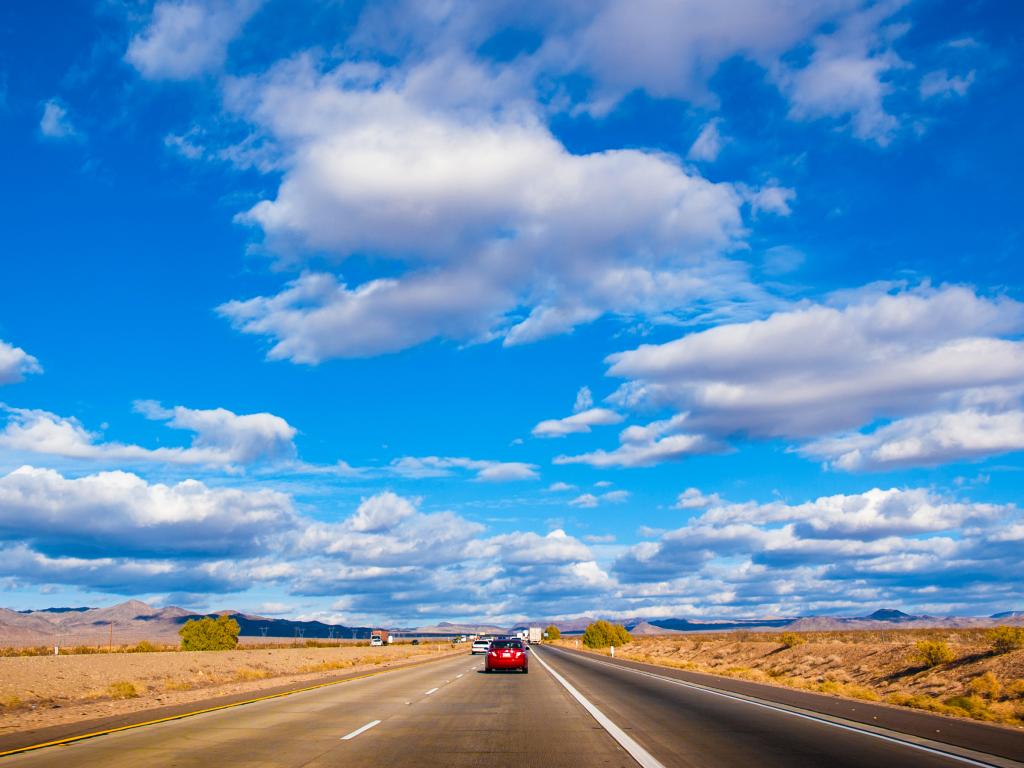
535, 635
380, 637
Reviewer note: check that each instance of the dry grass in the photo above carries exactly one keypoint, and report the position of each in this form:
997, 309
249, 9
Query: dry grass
122, 689
966, 679
37, 691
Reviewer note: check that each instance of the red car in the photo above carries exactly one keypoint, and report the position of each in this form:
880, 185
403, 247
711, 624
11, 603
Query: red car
506, 655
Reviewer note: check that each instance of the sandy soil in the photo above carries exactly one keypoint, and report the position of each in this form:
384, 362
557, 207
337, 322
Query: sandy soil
874, 666
39, 691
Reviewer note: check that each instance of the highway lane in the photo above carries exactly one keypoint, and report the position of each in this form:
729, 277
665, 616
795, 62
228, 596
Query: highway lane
447, 713
682, 726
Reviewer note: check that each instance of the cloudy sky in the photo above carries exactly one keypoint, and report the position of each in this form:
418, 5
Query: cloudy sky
400, 311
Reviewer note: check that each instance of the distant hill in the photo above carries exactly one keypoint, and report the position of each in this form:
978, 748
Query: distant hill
1008, 615
133, 621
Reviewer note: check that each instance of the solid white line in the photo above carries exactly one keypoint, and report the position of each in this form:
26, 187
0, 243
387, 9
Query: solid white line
432, 690
357, 731
865, 731
638, 753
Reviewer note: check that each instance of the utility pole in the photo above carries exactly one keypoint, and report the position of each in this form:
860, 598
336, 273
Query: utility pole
110, 642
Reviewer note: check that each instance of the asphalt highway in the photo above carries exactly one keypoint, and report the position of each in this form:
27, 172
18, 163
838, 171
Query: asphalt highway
569, 711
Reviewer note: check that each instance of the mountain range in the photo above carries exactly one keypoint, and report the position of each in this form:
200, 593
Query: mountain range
133, 621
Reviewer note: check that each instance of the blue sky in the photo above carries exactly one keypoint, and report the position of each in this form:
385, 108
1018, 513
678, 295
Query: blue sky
403, 311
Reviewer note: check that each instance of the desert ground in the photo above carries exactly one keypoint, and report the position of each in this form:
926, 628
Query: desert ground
875, 666
38, 691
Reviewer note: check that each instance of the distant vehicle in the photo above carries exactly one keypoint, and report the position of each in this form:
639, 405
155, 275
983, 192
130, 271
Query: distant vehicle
480, 645
376, 640
380, 637
535, 635
506, 655
415, 641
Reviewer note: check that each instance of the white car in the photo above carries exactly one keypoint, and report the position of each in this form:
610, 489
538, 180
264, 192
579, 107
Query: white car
481, 646
376, 640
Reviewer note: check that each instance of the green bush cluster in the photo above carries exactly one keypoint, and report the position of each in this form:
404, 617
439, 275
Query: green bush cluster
932, 653
220, 634
553, 633
602, 633
791, 639
1005, 639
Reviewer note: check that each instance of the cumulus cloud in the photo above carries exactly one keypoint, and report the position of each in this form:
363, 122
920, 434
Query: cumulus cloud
222, 438
55, 122
578, 422
846, 76
589, 500
15, 363
693, 498
880, 544
443, 466
487, 212
818, 369
122, 513
238, 439
644, 446
927, 440
185, 38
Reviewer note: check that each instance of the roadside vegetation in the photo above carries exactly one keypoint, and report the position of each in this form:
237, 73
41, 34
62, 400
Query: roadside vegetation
220, 634
602, 634
552, 633
975, 673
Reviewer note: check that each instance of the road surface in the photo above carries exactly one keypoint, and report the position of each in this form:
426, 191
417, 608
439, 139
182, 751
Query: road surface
569, 711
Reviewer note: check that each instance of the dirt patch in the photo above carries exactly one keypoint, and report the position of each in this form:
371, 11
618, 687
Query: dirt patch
874, 666
40, 691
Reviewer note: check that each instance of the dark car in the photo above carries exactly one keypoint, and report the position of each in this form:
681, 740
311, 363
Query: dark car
506, 655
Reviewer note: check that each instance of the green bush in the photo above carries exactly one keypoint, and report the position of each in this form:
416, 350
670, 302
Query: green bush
220, 634
143, 646
1005, 639
932, 653
553, 633
602, 633
791, 640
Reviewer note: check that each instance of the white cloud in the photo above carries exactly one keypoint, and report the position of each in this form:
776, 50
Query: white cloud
644, 454
560, 486
878, 545
693, 498
222, 438
121, 513
817, 369
55, 122
772, 199
578, 422
443, 466
487, 211
708, 143
186, 38
238, 439
382, 513
941, 83
846, 74
584, 400
15, 363
590, 500
926, 440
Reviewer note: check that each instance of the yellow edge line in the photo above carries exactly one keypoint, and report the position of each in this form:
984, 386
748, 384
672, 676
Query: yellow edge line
94, 734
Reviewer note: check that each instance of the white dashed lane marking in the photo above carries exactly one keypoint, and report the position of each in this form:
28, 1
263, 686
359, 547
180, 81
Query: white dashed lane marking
357, 731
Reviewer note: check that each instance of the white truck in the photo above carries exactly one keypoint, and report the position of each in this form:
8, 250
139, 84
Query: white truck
535, 635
